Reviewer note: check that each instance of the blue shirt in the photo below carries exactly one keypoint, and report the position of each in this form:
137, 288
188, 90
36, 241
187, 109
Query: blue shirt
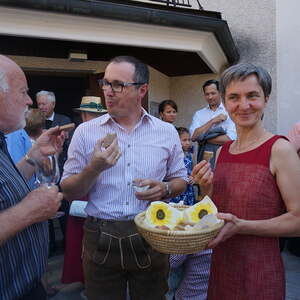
18, 144
23, 257
188, 196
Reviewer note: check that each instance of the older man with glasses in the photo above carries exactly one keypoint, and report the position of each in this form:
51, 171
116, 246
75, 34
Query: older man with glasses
114, 254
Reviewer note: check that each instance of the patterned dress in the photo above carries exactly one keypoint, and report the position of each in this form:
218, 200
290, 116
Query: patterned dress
246, 266
188, 196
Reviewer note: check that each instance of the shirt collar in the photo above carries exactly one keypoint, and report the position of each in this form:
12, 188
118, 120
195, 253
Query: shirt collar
108, 118
51, 118
220, 107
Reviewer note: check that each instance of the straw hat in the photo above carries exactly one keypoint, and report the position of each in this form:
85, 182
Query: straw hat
91, 104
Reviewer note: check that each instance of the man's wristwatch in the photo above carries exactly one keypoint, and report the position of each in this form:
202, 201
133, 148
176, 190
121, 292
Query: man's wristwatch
168, 190
29, 160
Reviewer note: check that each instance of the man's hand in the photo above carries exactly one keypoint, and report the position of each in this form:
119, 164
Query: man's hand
219, 118
50, 142
104, 159
157, 190
41, 204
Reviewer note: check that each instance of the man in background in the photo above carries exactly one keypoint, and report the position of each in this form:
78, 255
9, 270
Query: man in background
211, 126
46, 103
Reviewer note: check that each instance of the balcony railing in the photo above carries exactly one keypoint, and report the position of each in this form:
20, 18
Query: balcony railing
178, 3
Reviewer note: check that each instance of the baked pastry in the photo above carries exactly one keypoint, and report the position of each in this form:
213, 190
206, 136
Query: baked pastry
108, 139
207, 155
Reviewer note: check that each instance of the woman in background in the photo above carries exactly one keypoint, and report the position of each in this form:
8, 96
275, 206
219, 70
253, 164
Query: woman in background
168, 111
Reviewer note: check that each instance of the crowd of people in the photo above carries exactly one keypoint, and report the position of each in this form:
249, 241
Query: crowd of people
253, 178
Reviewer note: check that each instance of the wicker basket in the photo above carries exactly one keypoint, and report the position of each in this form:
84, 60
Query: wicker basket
176, 242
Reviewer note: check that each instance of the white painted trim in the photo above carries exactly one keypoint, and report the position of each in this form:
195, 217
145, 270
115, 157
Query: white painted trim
32, 23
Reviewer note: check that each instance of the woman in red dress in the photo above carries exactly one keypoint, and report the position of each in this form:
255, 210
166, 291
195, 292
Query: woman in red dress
256, 186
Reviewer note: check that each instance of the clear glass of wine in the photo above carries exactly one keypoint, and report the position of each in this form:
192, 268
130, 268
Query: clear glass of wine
47, 171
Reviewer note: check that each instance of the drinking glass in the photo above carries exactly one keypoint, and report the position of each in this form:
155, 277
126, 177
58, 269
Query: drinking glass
47, 171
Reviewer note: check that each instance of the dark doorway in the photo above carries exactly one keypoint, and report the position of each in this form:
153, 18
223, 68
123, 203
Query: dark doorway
68, 90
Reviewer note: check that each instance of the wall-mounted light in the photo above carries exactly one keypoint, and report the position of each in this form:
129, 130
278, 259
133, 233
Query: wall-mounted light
78, 56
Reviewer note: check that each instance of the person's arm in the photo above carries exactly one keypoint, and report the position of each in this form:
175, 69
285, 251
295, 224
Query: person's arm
205, 127
159, 190
285, 166
49, 143
37, 206
78, 185
294, 136
219, 140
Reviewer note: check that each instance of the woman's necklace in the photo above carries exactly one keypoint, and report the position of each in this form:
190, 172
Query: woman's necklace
249, 145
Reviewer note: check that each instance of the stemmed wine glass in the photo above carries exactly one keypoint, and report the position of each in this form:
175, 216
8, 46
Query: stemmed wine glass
47, 174
47, 171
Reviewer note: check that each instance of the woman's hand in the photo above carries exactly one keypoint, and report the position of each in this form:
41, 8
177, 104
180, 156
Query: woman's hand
231, 227
203, 175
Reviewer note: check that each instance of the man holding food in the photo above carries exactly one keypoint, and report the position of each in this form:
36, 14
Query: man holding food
143, 150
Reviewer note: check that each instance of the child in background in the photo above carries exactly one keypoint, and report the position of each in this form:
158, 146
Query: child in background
189, 273
188, 196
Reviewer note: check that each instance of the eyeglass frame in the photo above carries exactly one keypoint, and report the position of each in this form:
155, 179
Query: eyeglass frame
122, 84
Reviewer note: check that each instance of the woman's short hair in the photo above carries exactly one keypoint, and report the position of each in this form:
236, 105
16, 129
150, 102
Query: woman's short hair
241, 71
164, 103
35, 122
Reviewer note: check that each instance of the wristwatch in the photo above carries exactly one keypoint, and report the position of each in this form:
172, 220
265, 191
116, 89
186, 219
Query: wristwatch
168, 189
29, 160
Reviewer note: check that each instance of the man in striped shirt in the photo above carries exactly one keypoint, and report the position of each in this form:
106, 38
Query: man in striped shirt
23, 234
114, 254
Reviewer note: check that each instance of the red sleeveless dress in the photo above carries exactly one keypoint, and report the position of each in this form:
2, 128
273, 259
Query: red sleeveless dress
247, 267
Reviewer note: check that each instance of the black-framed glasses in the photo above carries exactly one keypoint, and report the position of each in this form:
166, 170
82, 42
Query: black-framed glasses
116, 86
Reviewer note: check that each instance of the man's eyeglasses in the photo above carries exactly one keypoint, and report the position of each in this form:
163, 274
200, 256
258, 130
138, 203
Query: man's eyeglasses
116, 86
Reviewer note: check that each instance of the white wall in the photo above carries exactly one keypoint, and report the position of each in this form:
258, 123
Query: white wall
288, 63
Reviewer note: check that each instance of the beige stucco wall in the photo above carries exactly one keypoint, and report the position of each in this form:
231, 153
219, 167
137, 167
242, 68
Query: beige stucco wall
159, 88
253, 27
288, 63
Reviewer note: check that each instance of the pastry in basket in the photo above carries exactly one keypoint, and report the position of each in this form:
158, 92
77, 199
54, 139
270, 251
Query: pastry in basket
160, 214
196, 212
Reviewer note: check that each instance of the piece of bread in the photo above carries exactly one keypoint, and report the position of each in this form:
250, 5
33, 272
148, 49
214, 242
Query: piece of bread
207, 155
109, 139
67, 127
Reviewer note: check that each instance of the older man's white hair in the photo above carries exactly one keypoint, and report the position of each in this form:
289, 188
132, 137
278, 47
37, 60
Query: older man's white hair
4, 86
50, 95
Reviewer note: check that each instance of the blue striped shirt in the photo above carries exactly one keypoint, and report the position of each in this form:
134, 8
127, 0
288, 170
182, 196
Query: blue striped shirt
23, 257
152, 150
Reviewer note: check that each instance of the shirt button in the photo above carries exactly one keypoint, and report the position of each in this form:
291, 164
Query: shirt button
128, 146
128, 183
128, 165
127, 203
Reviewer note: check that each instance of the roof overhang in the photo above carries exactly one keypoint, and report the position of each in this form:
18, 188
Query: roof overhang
136, 26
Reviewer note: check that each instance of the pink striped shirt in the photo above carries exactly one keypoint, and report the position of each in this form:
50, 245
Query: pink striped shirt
152, 150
